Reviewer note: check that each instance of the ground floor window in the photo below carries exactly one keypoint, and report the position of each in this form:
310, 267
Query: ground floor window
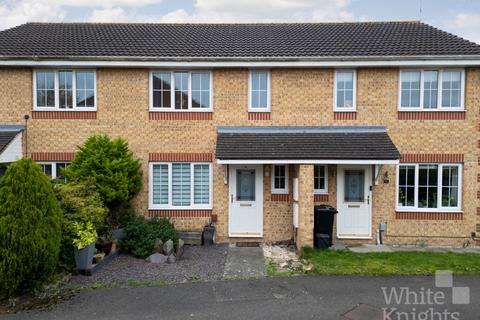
320, 179
280, 179
429, 186
180, 185
54, 169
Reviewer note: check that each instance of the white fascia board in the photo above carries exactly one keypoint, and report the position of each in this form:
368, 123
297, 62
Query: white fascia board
332, 161
242, 64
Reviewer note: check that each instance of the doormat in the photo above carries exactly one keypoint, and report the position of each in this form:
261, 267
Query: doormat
247, 244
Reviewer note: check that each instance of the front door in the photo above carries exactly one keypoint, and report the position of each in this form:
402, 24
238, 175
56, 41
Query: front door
354, 219
246, 201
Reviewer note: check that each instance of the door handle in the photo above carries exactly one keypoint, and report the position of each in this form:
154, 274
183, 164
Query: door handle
368, 199
231, 197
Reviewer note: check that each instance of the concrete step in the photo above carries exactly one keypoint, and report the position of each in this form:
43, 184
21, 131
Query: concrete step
191, 237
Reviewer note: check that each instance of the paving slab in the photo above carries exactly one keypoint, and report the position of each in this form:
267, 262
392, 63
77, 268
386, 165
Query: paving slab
244, 263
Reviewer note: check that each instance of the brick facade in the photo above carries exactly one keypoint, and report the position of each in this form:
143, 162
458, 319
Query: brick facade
299, 97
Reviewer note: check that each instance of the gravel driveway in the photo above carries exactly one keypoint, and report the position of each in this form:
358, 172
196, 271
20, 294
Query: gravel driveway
198, 263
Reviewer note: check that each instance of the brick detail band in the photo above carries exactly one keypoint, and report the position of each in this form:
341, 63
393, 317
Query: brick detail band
429, 215
53, 156
280, 197
432, 158
180, 213
478, 211
65, 115
345, 116
180, 115
259, 116
320, 198
431, 115
181, 157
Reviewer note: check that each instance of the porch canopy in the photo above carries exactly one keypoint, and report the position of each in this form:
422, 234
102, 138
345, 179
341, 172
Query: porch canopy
328, 144
10, 143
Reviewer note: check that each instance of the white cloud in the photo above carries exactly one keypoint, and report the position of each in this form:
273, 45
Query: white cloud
467, 25
15, 13
267, 11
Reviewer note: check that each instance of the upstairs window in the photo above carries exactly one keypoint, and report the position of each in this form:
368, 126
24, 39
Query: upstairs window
64, 90
259, 91
180, 91
431, 90
345, 90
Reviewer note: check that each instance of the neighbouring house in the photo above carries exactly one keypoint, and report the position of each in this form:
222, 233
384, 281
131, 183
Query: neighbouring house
252, 125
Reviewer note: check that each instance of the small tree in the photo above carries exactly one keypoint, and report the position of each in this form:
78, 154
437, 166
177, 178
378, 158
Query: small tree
116, 172
80, 203
30, 228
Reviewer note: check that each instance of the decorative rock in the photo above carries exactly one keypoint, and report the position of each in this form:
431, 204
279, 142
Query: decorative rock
158, 247
157, 258
171, 258
168, 248
179, 252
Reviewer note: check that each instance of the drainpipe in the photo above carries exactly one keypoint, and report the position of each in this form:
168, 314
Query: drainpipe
26, 117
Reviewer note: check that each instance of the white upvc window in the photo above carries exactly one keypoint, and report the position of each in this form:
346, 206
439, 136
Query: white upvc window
345, 90
320, 179
180, 185
189, 91
429, 187
280, 178
431, 90
64, 90
54, 169
259, 91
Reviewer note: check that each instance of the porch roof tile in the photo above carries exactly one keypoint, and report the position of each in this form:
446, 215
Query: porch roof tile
305, 143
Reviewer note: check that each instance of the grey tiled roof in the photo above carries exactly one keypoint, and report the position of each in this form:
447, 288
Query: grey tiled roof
7, 134
234, 41
308, 143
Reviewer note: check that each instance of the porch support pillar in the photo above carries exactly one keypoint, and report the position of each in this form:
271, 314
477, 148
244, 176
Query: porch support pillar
305, 206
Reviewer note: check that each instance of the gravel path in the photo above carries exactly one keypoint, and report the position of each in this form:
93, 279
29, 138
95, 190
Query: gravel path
198, 263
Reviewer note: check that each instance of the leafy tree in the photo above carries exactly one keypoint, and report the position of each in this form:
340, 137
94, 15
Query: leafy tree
81, 203
30, 228
117, 174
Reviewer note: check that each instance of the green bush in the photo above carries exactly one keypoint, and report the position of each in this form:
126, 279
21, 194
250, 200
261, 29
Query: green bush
85, 235
81, 203
140, 235
30, 228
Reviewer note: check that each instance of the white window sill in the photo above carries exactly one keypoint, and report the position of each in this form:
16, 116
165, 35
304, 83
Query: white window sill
51, 109
279, 192
429, 210
344, 110
431, 110
179, 111
258, 110
181, 208
320, 192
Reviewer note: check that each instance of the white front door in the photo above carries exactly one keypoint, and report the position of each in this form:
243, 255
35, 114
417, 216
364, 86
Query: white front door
354, 200
246, 201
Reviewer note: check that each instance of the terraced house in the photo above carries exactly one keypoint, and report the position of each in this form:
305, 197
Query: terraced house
252, 125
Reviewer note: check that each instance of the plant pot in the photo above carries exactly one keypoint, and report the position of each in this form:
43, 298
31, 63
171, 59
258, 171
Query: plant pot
208, 235
84, 257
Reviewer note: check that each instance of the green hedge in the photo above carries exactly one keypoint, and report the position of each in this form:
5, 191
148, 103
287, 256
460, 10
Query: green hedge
30, 228
140, 235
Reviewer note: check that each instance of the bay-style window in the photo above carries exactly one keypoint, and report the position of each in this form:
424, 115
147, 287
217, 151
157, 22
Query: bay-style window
429, 187
431, 90
64, 90
320, 179
345, 90
180, 91
280, 179
259, 91
180, 185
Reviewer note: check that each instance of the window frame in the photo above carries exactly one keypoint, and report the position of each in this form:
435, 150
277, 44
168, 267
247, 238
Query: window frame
269, 91
439, 90
54, 166
325, 190
439, 207
57, 90
272, 180
354, 94
172, 91
170, 206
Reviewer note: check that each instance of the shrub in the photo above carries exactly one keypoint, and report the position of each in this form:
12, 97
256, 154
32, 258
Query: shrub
85, 235
140, 235
81, 203
116, 172
30, 228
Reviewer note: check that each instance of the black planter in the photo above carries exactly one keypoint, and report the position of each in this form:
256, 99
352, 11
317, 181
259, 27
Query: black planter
208, 236
84, 257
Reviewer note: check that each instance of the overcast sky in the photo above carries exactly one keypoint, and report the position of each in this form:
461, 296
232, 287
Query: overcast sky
461, 17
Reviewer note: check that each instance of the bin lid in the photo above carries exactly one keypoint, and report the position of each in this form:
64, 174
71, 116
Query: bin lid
325, 208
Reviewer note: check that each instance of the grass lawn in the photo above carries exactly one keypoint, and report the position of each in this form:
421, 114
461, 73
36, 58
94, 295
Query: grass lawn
344, 262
